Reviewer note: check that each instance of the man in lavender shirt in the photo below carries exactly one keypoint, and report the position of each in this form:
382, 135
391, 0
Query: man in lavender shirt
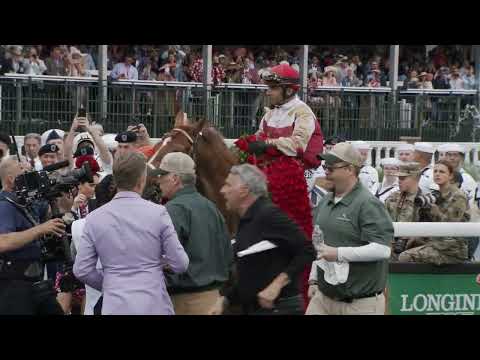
134, 239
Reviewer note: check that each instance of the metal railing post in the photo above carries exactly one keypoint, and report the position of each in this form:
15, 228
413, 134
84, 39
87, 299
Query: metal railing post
19, 100
102, 81
303, 72
207, 77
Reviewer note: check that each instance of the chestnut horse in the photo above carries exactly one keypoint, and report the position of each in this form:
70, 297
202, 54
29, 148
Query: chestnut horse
212, 158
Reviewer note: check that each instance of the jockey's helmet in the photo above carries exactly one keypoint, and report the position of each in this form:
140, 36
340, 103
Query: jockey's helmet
282, 75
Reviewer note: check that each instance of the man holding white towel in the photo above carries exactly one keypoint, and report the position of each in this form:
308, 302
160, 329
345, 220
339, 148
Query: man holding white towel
357, 233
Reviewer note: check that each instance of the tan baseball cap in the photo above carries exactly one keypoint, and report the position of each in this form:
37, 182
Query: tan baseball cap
178, 163
409, 169
343, 152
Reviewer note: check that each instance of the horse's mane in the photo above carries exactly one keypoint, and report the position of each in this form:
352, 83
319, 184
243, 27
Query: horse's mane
217, 142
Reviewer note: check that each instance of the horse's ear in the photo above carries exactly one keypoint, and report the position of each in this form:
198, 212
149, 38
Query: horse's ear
181, 119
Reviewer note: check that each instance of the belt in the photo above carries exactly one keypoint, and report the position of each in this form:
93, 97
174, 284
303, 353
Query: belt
355, 297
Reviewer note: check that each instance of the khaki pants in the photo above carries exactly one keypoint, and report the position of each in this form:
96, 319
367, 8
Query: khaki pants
198, 303
323, 305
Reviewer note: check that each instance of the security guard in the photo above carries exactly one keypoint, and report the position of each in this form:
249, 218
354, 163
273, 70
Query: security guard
126, 141
368, 174
22, 290
423, 155
357, 230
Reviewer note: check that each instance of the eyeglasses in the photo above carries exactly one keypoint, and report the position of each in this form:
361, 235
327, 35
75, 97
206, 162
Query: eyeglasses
332, 168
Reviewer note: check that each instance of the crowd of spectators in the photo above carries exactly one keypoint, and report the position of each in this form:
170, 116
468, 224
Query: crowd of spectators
445, 67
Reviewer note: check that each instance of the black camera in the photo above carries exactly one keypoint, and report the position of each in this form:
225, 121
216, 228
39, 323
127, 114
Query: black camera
42, 186
426, 200
38, 185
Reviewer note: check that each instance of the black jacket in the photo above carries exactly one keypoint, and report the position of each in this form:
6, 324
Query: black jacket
265, 221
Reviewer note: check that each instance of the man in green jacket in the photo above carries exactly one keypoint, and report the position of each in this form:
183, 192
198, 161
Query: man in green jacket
203, 233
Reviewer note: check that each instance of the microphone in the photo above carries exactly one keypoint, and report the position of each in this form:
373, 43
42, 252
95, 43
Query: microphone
56, 166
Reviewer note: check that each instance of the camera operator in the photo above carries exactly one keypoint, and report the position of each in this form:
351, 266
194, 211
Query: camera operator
22, 290
450, 204
402, 207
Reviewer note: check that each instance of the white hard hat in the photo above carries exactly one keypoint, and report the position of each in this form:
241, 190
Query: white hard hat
81, 138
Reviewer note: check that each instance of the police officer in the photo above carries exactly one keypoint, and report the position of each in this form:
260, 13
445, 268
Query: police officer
402, 207
126, 142
423, 155
22, 290
368, 174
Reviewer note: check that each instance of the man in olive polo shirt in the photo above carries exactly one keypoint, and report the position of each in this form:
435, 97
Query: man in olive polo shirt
203, 234
353, 261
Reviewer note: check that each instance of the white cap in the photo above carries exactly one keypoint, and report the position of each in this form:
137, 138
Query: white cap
109, 140
450, 147
60, 133
80, 138
405, 147
389, 161
424, 147
361, 145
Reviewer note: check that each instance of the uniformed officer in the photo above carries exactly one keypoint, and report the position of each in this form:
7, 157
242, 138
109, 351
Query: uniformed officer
48, 154
455, 155
353, 262
368, 174
390, 179
402, 207
126, 141
423, 155
405, 152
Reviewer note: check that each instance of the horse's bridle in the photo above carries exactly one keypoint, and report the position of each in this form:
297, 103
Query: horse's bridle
193, 142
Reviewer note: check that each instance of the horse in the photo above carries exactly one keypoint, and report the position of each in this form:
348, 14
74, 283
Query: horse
213, 159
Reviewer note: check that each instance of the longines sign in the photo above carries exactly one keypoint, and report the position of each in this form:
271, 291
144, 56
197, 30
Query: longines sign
423, 290
439, 304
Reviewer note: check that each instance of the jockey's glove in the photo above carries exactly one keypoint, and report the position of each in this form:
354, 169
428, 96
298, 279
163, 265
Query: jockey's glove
257, 147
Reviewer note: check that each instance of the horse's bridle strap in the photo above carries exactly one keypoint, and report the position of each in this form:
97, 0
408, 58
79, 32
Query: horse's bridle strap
184, 133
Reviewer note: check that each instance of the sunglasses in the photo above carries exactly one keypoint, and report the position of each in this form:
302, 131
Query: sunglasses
332, 168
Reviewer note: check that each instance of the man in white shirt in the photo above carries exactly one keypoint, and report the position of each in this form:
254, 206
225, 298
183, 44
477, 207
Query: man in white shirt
125, 70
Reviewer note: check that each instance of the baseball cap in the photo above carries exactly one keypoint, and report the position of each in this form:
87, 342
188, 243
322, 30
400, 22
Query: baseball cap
409, 169
343, 152
176, 162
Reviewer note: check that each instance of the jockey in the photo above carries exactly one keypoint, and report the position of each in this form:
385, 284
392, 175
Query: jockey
290, 125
